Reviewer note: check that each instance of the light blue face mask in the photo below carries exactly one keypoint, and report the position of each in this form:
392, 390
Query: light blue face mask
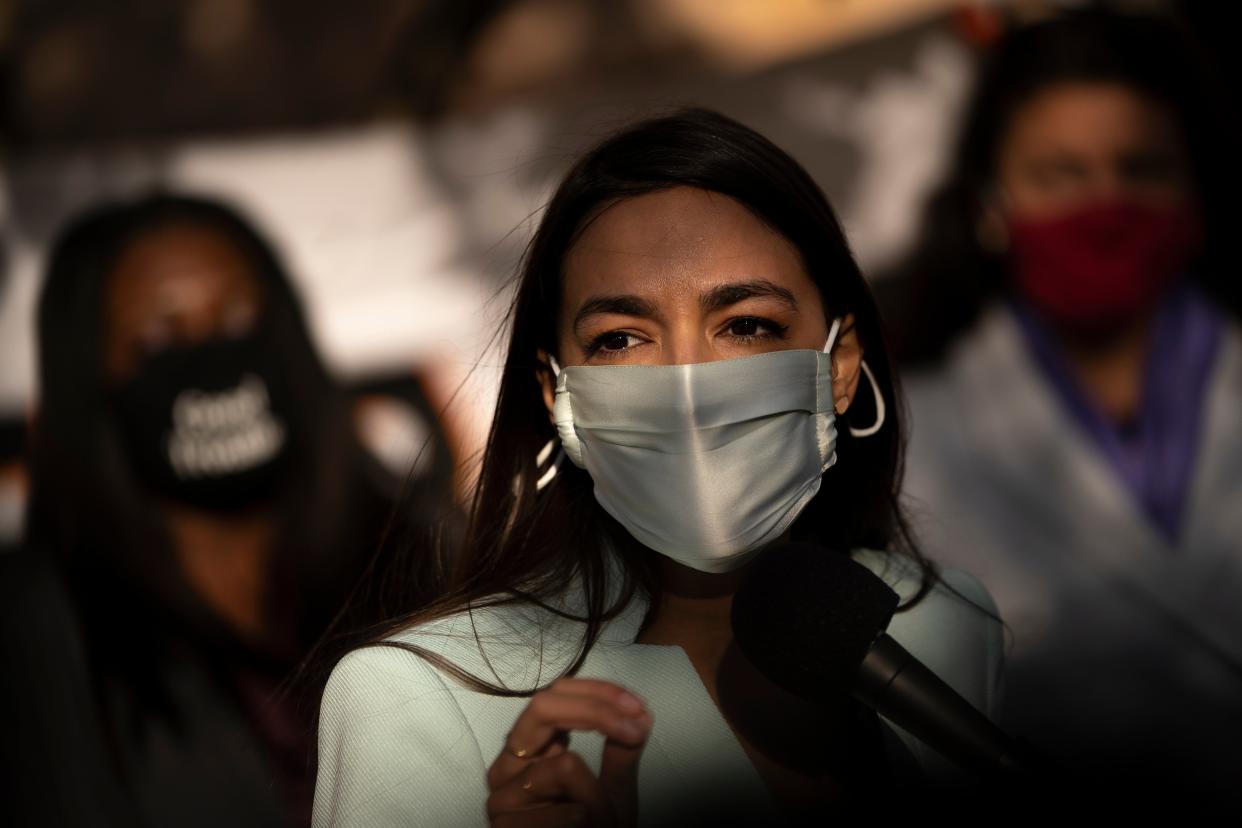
706, 463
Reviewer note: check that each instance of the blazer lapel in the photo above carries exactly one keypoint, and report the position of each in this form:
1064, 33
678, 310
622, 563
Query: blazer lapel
693, 766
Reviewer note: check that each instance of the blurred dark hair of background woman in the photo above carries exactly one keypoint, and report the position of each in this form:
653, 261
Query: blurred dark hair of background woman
198, 485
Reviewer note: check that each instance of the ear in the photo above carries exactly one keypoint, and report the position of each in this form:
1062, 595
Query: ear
847, 355
547, 381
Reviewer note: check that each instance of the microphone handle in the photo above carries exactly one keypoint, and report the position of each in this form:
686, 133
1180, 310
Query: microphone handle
901, 689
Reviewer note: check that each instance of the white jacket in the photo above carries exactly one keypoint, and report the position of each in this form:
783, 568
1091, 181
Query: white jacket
401, 744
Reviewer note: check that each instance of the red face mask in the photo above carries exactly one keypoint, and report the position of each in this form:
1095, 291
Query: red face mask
1104, 264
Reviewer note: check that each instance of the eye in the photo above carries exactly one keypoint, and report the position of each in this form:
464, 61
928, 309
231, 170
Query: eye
745, 327
239, 320
1058, 173
155, 335
617, 341
613, 342
1149, 168
750, 328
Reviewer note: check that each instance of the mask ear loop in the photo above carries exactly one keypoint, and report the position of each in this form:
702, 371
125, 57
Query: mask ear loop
881, 411
832, 335
554, 443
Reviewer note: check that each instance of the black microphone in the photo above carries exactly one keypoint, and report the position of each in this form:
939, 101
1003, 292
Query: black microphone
810, 618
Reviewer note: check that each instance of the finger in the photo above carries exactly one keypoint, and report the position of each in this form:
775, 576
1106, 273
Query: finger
507, 765
618, 775
628, 701
510, 765
549, 712
569, 704
568, 815
564, 777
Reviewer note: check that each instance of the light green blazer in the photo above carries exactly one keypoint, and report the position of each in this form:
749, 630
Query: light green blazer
402, 744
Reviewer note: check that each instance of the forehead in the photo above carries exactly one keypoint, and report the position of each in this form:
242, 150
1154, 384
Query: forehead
180, 258
675, 241
1091, 118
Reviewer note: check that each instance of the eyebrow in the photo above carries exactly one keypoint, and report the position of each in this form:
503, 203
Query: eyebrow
623, 305
722, 296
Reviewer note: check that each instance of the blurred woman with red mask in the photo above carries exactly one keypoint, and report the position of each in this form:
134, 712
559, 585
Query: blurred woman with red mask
1074, 372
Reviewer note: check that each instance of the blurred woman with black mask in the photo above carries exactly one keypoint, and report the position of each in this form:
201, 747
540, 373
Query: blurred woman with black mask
198, 486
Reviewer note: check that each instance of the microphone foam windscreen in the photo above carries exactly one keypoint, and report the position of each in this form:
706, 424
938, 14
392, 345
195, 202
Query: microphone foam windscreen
806, 616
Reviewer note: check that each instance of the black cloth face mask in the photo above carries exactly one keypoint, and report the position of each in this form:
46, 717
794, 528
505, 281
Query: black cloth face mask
207, 424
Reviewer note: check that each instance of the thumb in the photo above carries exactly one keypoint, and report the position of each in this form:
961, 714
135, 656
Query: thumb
618, 775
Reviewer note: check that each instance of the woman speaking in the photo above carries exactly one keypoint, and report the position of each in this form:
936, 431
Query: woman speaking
696, 373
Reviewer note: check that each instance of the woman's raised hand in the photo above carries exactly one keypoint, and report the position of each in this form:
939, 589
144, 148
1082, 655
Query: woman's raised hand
537, 781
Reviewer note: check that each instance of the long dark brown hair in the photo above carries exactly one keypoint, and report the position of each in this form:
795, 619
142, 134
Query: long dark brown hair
525, 545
